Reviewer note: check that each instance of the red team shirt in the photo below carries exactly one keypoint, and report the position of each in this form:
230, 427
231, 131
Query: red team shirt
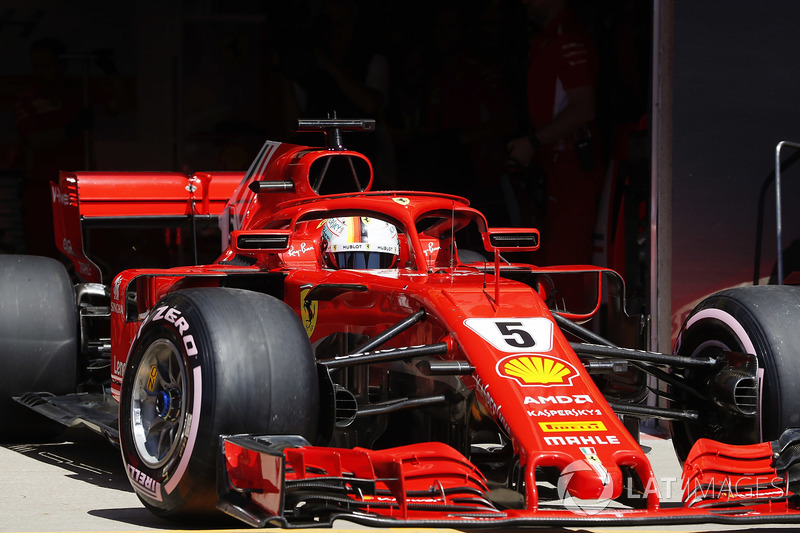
561, 58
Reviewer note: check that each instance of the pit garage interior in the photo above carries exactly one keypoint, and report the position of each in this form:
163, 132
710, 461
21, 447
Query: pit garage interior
693, 99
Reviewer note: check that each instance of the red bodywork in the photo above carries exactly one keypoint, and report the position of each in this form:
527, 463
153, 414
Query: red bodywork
526, 378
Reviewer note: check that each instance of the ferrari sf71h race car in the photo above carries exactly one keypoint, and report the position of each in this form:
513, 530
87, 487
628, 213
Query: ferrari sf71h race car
387, 358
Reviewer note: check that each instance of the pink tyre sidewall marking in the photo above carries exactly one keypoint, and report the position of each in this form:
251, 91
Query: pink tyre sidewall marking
728, 320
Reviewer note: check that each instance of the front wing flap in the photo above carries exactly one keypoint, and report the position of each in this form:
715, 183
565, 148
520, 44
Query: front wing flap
284, 481
294, 483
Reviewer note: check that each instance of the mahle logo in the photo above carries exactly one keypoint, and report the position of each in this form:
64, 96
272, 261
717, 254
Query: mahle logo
538, 370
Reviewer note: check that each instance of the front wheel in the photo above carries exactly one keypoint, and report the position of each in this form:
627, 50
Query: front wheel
209, 362
759, 320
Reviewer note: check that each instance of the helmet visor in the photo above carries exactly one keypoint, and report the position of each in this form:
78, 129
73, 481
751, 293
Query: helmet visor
363, 260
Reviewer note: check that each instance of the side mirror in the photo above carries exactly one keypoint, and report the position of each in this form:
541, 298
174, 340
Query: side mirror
511, 240
262, 240
498, 240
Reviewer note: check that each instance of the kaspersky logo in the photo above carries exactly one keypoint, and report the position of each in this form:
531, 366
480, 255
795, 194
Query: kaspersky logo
536, 370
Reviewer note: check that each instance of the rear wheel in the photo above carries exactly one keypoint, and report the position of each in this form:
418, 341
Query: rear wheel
209, 362
39, 346
759, 320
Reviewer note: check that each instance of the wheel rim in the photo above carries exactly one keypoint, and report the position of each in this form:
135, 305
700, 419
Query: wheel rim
726, 427
158, 403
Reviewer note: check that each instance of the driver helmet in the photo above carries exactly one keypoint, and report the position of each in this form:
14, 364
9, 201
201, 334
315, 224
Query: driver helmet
359, 243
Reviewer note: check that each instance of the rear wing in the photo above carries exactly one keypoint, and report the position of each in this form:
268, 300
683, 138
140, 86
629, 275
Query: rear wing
235, 200
131, 199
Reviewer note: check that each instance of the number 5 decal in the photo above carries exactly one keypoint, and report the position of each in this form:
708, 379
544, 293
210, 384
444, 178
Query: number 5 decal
515, 334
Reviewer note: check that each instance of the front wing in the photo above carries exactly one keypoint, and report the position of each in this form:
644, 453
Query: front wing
283, 481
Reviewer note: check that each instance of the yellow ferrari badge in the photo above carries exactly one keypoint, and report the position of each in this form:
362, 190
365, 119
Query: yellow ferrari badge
308, 312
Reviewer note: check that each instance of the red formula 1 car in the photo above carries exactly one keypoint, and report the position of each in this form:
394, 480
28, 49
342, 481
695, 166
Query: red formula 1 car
385, 357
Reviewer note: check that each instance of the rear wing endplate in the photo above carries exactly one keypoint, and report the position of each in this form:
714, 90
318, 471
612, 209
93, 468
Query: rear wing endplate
108, 199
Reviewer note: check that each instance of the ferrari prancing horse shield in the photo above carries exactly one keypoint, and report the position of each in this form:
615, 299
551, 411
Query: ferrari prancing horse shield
308, 312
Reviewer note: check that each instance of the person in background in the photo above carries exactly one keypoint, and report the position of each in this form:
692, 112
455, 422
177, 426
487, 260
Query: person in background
343, 71
468, 110
50, 118
54, 119
562, 137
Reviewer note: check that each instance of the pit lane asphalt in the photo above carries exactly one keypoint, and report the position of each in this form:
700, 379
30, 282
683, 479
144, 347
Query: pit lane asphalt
77, 483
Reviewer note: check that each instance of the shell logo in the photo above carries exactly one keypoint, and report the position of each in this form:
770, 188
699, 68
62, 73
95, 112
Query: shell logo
536, 370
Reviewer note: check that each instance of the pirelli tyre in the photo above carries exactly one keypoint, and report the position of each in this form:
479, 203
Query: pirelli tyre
38, 340
760, 320
207, 362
